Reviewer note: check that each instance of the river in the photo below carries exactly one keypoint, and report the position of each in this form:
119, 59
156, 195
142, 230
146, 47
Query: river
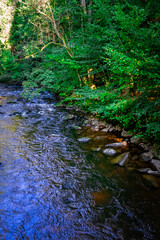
54, 187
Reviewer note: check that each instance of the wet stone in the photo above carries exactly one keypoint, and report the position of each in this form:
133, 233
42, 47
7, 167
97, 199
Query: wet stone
84, 139
105, 129
151, 180
156, 164
109, 152
122, 159
112, 129
96, 149
146, 146
117, 144
95, 128
135, 157
147, 156
155, 173
102, 197
143, 170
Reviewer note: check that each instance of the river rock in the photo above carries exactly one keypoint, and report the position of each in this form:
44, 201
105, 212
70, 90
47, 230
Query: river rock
155, 173
112, 129
118, 128
147, 156
155, 150
117, 144
105, 130
96, 149
84, 139
144, 170
135, 157
145, 146
126, 133
151, 180
107, 127
95, 128
156, 164
135, 140
94, 122
122, 159
109, 152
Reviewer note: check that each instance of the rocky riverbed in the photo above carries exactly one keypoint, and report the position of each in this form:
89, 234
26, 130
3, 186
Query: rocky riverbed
126, 150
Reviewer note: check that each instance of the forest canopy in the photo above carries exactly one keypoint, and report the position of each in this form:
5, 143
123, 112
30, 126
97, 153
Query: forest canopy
100, 55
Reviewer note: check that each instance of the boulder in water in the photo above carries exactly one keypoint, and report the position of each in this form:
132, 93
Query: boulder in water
117, 144
144, 170
95, 128
151, 180
109, 152
156, 164
84, 139
122, 159
147, 156
155, 173
96, 149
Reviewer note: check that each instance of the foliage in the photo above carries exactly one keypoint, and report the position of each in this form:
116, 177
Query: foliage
102, 56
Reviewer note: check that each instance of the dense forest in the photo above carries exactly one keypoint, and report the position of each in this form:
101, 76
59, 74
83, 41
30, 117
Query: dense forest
99, 55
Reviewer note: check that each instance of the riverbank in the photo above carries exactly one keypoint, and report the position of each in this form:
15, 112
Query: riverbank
125, 150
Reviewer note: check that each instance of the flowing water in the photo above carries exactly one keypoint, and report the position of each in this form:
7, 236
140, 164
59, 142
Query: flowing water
54, 187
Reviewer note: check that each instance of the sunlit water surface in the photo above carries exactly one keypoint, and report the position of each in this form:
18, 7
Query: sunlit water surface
54, 187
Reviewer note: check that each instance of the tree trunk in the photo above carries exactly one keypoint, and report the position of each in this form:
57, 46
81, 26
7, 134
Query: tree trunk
83, 4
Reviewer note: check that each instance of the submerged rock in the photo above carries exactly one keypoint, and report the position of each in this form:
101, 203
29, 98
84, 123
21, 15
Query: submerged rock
95, 128
105, 129
151, 180
146, 146
102, 197
96, 149
84, 139
117, 144
155, 173
135, 157
109, 152
122, 159
156, 164
112, 129
147, 156
144, 170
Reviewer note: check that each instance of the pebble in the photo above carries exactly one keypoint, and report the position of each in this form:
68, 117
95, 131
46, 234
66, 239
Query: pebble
109, 152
